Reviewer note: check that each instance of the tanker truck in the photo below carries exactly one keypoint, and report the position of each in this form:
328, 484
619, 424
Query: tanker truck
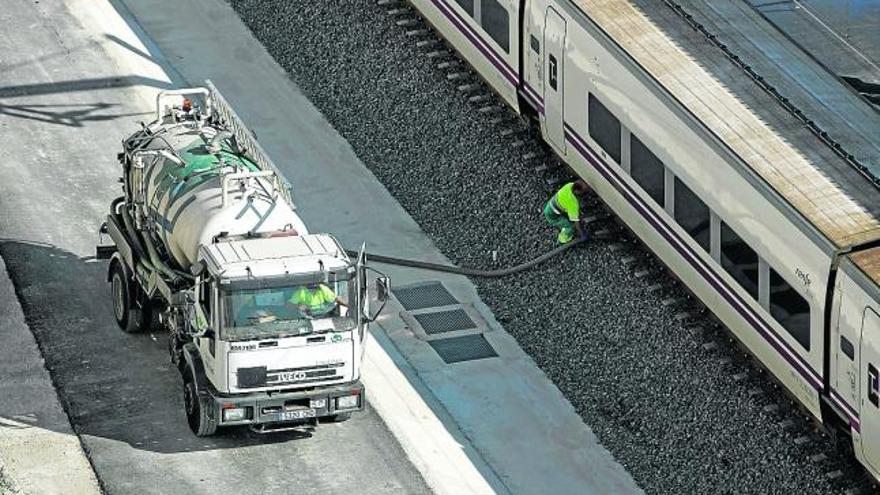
266, 321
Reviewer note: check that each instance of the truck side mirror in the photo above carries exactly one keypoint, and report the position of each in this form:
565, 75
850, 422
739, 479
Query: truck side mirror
382, 289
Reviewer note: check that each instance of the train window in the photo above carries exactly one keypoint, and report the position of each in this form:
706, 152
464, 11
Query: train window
467, 5
496, 22
847, 347
692, 214
604, 127
535, 44
646, 169
739, 260
790, 309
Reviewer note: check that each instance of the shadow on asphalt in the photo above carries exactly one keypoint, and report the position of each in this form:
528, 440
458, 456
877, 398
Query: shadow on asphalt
72, 115
112, 385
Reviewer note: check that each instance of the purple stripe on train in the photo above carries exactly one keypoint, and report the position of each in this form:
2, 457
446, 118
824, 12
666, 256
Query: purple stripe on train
851, 413
477, 41
792, 358
535, 97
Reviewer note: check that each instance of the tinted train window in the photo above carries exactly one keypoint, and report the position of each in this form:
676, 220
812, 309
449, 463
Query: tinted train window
739, 260
496, 23
647, 170
604, 128
692, 214
790, 309
467, 5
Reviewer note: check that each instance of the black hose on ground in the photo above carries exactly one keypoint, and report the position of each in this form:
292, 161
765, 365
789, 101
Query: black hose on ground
470, 272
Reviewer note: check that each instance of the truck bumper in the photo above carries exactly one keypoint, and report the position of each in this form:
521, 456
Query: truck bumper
288, 408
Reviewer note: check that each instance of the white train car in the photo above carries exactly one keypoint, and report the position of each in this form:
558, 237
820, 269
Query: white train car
735, 188
482, 32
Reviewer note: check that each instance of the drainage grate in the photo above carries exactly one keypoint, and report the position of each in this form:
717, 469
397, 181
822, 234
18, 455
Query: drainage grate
445, 321
466, 348
423, 295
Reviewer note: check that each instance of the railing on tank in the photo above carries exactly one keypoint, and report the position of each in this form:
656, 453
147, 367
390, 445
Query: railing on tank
219, 109
244, 137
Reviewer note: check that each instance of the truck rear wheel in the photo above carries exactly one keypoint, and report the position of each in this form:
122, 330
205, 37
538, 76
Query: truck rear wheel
128, 316
196, 409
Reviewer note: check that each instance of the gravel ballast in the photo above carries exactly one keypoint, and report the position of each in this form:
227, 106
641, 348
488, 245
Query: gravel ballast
666, 407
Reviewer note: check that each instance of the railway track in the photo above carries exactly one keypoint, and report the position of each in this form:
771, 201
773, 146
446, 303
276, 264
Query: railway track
833, 458
827, 467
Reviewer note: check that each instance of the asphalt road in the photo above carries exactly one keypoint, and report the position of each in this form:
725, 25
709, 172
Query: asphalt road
66, 101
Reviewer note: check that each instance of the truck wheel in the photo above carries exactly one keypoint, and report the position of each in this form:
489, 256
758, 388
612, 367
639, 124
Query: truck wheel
128, 317
196, 409
149, 314
337, 418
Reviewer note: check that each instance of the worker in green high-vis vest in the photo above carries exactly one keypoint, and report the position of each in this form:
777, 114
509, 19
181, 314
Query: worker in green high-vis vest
315, 300
563, 211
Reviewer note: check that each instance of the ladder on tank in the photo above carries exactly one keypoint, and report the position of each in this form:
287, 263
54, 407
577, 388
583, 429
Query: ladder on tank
219, 109
244, 137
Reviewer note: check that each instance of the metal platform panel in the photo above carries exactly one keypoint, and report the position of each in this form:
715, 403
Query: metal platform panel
445, 321
466, 348
423, 295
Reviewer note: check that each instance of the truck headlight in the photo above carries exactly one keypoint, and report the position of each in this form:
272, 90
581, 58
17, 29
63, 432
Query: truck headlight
347, 402
318, 403
236, 414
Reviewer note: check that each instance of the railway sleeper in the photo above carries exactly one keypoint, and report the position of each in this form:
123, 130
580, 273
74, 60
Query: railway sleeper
409, 22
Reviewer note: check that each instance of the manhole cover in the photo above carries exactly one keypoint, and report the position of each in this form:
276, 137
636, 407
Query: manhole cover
423, 295
466, 348
445, 321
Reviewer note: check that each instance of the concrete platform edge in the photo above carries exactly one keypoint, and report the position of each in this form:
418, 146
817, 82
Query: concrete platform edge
39, 452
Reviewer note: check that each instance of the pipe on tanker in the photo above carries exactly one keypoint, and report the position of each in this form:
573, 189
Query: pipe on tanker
132, 233
214, 145
159, 264
155, 262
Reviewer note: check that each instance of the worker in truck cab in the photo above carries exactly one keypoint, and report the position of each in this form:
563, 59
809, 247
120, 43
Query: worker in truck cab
315, 300
563, 211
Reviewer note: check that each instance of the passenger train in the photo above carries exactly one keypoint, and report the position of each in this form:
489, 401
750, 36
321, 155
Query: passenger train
741, 162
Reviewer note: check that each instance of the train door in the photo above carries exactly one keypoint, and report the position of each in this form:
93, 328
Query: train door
554, 59
869, 351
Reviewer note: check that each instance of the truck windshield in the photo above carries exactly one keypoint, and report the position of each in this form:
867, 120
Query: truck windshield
286, 310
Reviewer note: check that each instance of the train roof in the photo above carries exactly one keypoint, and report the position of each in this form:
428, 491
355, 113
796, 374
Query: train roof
839, 199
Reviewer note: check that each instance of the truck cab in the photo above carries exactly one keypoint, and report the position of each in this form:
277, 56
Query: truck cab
274, 333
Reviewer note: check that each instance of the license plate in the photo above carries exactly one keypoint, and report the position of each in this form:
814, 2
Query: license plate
298, 414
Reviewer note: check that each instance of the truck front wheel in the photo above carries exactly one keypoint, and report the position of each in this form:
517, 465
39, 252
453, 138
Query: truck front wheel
196, 409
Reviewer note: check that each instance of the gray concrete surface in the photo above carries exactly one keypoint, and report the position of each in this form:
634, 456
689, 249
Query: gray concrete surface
500, 406
74, 79
39, 452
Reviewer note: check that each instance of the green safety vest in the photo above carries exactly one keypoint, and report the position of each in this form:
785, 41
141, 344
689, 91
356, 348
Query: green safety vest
315, 299
565, 202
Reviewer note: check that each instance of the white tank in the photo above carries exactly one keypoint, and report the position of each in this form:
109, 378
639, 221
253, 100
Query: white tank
183, 196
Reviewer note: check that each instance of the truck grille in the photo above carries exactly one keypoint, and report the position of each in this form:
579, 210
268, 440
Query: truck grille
305, 374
